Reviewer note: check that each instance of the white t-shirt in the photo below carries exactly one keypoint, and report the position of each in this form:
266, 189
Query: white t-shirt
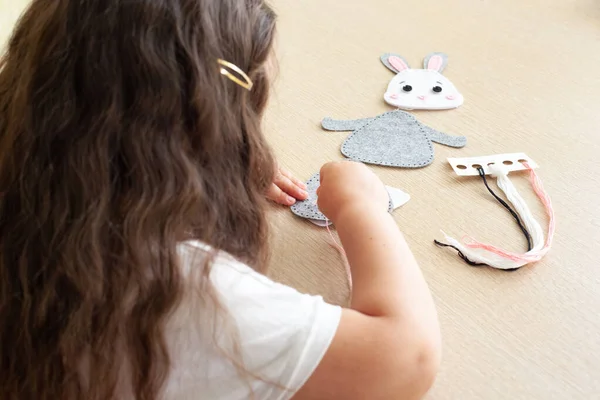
281, 334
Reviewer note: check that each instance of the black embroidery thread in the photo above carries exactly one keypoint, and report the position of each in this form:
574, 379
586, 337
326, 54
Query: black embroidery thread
509, 208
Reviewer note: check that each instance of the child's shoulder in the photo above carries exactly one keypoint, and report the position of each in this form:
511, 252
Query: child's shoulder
225, 269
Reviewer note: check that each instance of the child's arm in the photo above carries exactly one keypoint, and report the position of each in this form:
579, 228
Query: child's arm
388, 345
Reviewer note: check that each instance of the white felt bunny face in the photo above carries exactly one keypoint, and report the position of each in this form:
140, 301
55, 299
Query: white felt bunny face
421, 89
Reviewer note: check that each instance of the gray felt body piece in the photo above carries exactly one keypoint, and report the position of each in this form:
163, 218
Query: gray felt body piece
394, 139
308, 208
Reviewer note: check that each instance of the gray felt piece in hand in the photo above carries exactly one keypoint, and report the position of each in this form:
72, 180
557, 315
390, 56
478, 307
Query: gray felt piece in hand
308, 208
393, 139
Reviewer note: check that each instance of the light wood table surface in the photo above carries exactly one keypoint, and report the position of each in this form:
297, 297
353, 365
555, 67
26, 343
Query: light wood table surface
530, 74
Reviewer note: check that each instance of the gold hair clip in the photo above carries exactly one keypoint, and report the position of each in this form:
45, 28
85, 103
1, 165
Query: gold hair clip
246, 83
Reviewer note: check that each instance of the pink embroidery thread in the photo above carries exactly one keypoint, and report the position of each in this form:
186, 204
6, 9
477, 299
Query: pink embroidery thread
398, 63
342, 252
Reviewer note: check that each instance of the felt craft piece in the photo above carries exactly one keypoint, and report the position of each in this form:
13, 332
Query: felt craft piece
308, 208
421, 89
394, 139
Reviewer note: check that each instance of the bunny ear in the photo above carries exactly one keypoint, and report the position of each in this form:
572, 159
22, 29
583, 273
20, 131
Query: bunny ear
394, 62
436, 62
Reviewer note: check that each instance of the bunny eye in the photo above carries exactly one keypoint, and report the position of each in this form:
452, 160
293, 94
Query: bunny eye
407, 88
437, 89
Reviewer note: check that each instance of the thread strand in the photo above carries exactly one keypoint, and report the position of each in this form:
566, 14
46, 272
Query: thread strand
493, 256
334, 243
526, 233
509, 208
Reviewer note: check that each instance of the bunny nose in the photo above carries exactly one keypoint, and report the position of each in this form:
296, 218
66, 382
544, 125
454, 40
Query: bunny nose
421, 97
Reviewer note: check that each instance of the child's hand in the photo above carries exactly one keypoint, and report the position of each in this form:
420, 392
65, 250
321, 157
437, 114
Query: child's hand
349, 185
286, 189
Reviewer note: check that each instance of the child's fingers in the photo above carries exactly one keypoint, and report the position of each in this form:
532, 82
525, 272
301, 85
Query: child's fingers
290, 187
279, 196
296, 181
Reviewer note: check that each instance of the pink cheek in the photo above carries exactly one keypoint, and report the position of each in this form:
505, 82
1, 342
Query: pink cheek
451, 97
394, 96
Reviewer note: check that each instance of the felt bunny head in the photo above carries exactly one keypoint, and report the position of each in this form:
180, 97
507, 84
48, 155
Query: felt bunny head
421, 89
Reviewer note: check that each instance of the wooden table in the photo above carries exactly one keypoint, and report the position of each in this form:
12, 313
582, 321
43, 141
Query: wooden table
530, 74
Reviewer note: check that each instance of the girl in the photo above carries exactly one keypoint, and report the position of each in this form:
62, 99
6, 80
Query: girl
133, 173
